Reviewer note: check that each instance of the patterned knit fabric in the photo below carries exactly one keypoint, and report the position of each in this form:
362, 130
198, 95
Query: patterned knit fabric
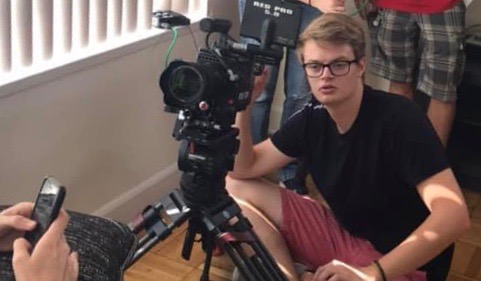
104, 248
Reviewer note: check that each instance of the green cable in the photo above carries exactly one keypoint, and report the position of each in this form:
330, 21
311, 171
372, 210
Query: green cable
361, 8
171, 46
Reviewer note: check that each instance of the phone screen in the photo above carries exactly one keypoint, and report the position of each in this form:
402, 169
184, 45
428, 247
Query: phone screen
46, 209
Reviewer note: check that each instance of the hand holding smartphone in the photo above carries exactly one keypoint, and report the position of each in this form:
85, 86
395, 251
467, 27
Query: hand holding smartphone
47, 206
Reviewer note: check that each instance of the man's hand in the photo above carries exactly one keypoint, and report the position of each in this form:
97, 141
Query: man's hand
14, 221
340, 271
328, 6
50, 260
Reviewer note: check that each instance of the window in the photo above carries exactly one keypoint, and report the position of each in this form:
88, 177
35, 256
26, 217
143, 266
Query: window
37, 36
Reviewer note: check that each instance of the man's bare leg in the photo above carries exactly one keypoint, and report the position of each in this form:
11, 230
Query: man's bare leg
260, 202
403, 89
442, 116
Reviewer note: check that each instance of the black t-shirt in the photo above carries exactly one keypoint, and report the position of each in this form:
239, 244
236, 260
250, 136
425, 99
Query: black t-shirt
368, 175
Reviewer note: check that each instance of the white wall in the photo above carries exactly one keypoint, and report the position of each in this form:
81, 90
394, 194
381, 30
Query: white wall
100, 131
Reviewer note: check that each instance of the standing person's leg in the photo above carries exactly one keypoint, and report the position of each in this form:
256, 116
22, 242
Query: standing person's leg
442, 65
297, 93
261, 109
441, 114
394, 40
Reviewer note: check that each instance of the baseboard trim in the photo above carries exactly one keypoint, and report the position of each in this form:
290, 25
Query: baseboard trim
126, 206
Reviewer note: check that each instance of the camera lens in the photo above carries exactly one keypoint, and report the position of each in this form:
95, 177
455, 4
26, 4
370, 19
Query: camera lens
186, 84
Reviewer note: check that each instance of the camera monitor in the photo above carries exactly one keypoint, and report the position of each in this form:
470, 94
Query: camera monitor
286, 15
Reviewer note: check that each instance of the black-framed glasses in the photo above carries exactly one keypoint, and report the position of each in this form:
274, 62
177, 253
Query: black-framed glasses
337, 68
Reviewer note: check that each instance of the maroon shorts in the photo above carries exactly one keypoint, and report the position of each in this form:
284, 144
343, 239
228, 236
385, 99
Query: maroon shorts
315, 238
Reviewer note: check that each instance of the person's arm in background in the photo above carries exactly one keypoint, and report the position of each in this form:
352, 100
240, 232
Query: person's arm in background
51, 259
327, 6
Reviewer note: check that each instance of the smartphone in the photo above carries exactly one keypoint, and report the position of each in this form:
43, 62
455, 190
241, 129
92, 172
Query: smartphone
47, 206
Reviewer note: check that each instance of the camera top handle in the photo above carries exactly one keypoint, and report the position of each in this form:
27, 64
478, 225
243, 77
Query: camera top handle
263, 53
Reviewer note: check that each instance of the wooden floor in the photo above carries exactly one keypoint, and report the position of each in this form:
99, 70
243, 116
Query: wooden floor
164, 262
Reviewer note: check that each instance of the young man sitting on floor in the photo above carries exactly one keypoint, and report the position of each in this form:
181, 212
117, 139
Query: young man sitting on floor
395, 207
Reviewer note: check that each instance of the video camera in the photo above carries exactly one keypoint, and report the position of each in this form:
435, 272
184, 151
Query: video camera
208, 93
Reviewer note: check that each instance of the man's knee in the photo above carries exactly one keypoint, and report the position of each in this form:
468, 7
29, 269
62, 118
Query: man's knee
238, 188
231, 184
259, 195
253, 191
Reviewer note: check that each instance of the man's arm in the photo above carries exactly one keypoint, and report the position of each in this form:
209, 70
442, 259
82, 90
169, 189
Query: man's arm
255, 161
449, 218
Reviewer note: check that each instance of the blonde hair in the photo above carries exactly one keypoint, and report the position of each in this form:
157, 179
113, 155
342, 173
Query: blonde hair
336, 29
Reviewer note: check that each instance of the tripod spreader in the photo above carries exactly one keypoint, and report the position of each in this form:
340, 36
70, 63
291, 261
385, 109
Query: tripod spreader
158, 221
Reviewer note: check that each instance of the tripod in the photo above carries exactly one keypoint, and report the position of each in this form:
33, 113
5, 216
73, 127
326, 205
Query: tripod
220, 223
206, 96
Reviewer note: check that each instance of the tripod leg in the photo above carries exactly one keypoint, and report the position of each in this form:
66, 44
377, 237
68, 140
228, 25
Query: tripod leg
235, 237
189, 240
263, 255
207, 263
257, 264
265, 260
246, 266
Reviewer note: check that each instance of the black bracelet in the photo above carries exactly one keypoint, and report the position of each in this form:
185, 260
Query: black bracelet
379, 268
